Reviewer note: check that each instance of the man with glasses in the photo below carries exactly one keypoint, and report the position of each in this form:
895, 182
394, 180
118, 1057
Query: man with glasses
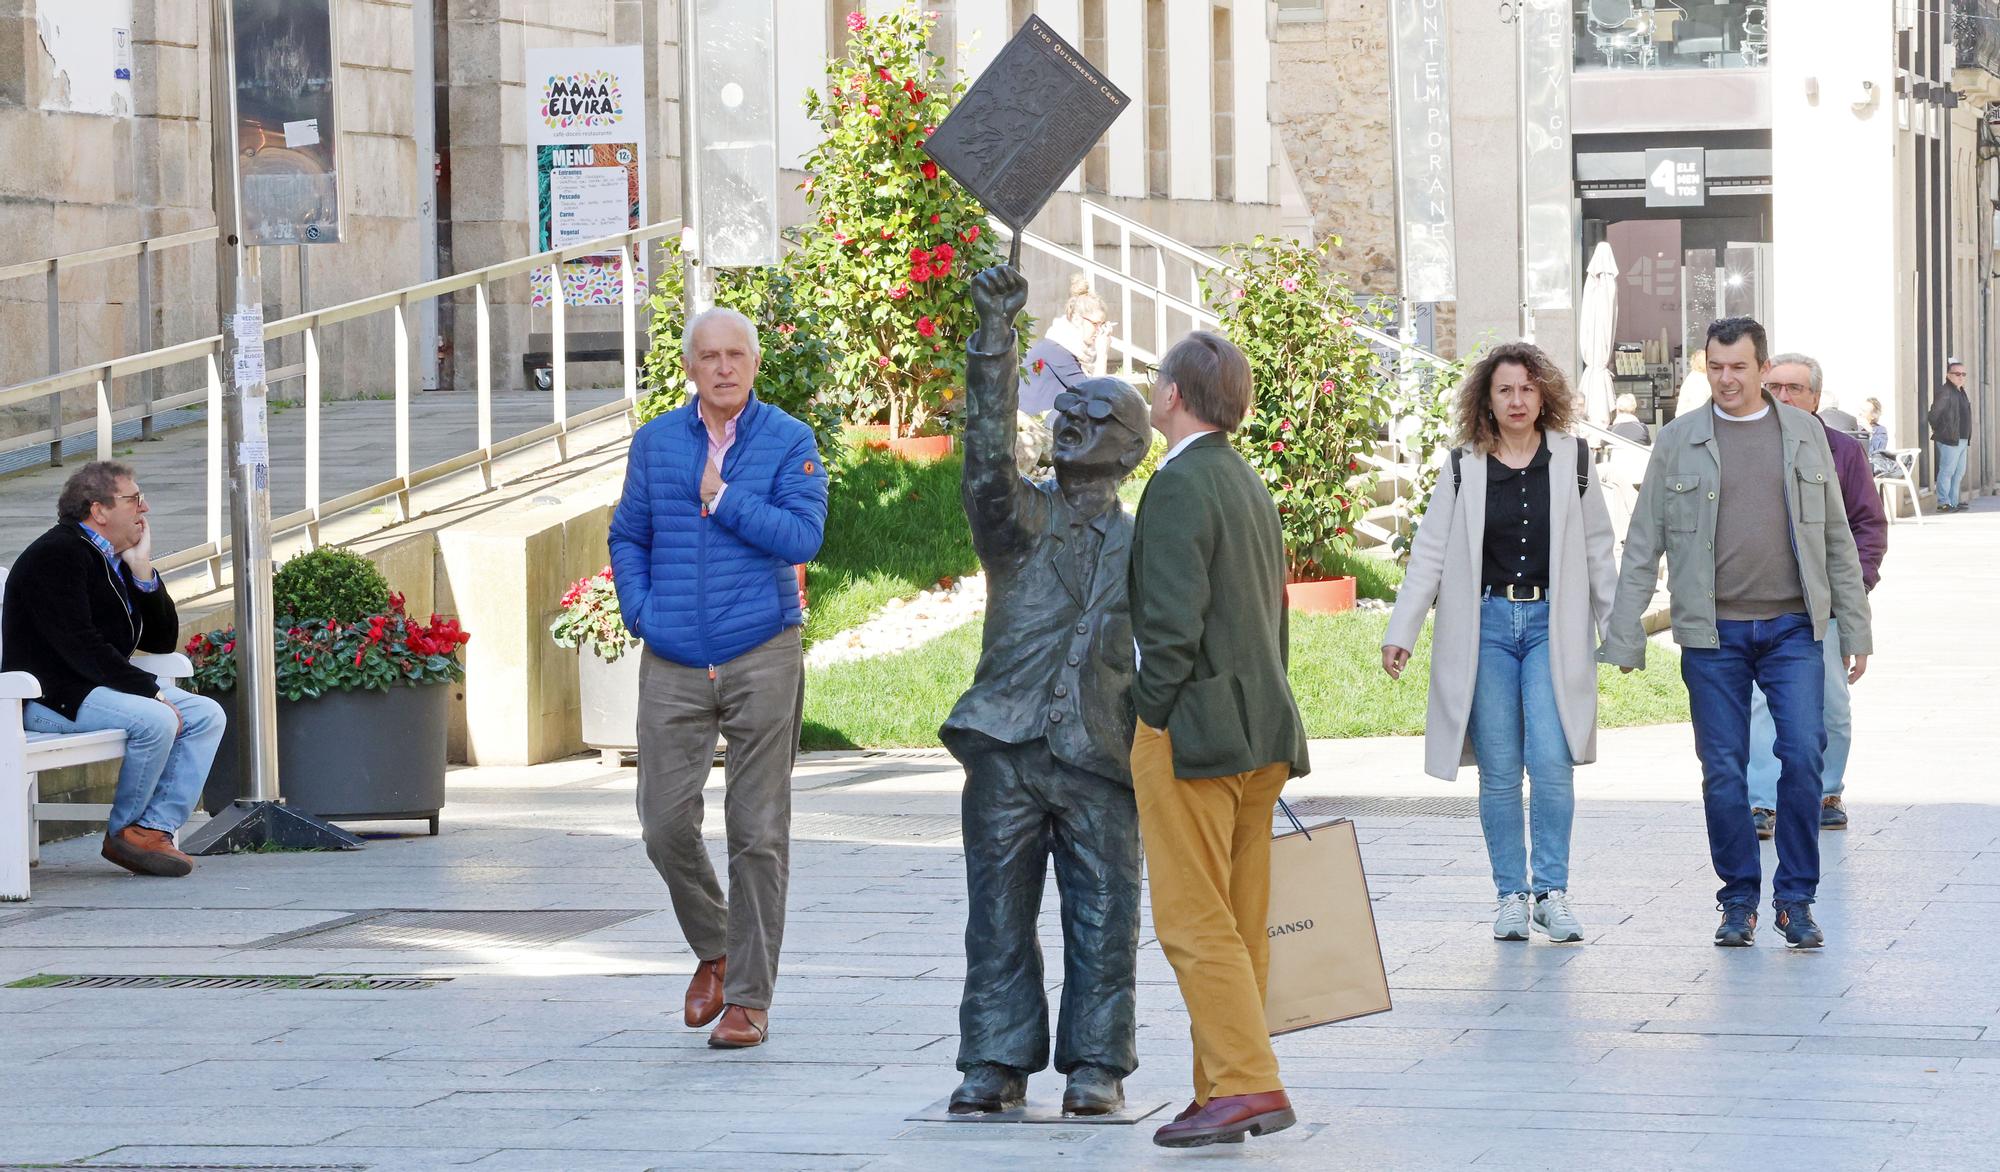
1045, 731
81, 599
1951, 430
1797, 380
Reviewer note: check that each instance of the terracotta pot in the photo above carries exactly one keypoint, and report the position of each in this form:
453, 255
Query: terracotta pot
921, 447
1324, 596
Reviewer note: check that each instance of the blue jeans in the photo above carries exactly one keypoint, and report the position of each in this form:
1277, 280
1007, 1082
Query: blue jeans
1950, 471
1839, 732
162, 774
1781, 657
1515, 725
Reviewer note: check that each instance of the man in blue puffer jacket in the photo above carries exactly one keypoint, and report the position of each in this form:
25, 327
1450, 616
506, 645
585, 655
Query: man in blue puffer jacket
723, 497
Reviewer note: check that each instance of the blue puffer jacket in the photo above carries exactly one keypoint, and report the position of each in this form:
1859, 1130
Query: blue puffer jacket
702, 590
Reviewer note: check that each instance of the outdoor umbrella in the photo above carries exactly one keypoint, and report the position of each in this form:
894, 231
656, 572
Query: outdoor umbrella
1595, 332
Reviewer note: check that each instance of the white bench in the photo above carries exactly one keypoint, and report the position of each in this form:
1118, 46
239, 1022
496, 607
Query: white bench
25, 755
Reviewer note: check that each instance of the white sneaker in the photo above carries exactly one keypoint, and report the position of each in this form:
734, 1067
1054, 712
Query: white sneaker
1554, 919
1511, 922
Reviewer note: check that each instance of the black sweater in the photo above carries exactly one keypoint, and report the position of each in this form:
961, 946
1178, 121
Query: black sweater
64, 621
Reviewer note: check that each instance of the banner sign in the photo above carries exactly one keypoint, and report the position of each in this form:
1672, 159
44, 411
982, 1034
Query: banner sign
1420, 61
1676, 177
1548, 170
587, 146
286, 136
1026, 123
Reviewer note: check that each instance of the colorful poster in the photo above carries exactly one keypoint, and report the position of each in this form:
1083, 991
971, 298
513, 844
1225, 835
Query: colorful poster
587, 142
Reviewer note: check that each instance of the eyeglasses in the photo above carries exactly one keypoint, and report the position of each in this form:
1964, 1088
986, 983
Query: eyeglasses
1099, 409
137, 498
1954, 374
1789, 388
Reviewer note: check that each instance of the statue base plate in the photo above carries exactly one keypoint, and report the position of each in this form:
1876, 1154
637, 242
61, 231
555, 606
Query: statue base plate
1043, 1110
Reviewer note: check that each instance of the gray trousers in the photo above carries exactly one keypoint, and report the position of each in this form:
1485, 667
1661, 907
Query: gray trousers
755, 701
1021, 805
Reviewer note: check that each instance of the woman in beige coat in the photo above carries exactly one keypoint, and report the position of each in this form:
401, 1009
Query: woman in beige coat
1516, 553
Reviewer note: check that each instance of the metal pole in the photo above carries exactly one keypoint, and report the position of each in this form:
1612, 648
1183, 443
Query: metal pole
697, 290
239, 304
1521, 160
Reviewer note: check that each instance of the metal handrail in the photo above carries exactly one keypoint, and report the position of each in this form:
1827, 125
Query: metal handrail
308, 326
91, 256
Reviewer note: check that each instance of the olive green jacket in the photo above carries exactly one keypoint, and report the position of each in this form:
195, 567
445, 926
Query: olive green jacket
1676, 516
1208, 613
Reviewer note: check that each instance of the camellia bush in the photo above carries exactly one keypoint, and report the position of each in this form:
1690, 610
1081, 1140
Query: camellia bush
1423, 426
892, 240
1318, 405
795, 370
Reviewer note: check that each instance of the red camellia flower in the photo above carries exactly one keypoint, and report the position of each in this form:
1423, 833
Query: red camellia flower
929, 169
883, 73
926, 326
787, 328
886, 233
919, 255
899, 292
944, 252
940, 267
917, 95
1285, 425
857, 22
970, 235
1326, 386
1278, 445
920, 272
882, 361
874, 111
934, 217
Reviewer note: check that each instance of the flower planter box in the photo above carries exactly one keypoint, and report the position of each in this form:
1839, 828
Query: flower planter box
921, 447
351, 756
1324, 596
610, 696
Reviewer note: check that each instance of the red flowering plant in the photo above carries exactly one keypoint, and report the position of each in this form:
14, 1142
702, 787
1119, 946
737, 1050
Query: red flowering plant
892, 240
372, 642
1319, 406
591, 619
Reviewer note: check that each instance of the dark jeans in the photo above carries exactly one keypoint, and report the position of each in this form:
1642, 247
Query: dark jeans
1783, 659
1020, 805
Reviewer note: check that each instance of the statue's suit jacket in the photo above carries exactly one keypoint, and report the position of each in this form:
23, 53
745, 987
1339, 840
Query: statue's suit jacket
1056, 659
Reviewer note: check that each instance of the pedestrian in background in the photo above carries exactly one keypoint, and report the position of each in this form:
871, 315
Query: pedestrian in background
1879, 459
1625, 420
723, 496
1951, 430
1798, 381
1745, 502
1218, 735
1516, 552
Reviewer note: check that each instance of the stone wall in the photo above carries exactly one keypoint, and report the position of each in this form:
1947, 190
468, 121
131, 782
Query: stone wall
1330, 105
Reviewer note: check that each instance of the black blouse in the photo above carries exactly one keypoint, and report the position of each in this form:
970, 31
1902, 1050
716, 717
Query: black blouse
1517, 523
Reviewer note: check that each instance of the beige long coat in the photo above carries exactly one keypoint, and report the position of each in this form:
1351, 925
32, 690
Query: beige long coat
1444, 572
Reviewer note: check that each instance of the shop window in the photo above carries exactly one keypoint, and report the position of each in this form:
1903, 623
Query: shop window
1666, 34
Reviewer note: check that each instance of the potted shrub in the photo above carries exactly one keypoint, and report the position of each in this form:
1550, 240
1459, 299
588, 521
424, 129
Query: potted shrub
607, 664
1317, 409
363, 694
891, 240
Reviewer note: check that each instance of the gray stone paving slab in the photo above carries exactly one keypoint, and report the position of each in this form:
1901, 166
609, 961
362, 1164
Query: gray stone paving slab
1643, 1048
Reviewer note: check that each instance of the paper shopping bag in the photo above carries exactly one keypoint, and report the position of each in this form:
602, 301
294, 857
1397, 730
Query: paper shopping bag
1326, 962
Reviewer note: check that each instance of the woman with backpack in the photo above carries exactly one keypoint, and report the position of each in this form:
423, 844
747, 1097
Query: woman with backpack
1516, 554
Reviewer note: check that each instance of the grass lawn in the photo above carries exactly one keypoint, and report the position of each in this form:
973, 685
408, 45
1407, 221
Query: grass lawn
893, 527
898, 701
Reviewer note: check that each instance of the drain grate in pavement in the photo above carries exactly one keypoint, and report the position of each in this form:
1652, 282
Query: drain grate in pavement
818, 826
131, 981
406, 930
1467, 807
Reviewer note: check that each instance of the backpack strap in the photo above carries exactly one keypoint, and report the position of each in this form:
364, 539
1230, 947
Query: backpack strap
1455, 454
1582, 466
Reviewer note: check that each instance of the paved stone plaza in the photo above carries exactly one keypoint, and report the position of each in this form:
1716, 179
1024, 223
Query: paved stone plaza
1643, 1048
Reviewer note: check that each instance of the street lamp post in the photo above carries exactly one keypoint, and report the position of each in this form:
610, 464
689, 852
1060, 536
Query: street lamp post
260, 817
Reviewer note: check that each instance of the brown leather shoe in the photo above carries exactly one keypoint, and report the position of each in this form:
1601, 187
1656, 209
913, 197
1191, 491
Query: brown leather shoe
704, 999
1192, 1109
140, 851
740, 1028
1227, 1119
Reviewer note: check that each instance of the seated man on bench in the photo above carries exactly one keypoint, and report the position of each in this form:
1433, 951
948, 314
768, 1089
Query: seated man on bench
82, 598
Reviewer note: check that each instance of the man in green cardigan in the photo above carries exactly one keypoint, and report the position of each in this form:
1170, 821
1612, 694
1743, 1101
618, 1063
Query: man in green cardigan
1218, 735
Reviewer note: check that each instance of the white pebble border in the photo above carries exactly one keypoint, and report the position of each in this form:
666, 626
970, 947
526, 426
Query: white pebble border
905, 623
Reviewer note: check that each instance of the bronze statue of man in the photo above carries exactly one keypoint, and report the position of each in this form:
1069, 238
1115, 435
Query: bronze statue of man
1045, 732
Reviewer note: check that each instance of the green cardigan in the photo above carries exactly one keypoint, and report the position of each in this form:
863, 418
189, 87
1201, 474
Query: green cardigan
1208, 612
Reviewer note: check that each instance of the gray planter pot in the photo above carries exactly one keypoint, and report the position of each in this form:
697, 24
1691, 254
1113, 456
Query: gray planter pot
351, 756
610, 695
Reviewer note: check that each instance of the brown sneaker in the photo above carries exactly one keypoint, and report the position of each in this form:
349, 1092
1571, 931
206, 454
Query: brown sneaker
740, 1028
139, 851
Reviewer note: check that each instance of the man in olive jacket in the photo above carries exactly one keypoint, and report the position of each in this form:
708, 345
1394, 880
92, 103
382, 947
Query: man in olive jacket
1219, 734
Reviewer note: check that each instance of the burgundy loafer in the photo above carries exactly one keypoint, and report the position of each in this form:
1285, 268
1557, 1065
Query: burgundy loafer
1227, 1119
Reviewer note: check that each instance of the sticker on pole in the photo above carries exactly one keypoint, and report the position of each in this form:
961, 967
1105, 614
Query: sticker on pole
248, 358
